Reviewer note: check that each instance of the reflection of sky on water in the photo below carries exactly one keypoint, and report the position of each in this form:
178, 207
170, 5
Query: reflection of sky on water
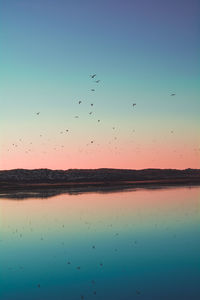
146, 240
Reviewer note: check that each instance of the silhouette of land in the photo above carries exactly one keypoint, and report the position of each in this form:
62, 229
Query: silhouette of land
91, 178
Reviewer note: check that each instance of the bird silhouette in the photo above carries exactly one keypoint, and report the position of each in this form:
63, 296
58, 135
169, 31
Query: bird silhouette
173, 94
92, 76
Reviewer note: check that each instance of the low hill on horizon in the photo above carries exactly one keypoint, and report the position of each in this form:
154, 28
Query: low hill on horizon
37, 176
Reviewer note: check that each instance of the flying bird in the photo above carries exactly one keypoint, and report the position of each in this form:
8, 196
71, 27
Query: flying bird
97, 81
37, 113
79, 102
173, 94
92, 90
92, 76
134, 104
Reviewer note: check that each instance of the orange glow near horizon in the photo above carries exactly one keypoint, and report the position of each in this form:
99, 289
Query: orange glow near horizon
95, 156
142, 205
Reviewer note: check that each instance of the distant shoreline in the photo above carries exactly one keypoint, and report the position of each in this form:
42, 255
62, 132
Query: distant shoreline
8, 186
44, 191
44, 179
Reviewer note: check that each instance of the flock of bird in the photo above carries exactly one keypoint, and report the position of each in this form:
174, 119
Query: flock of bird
92, 104
29, 147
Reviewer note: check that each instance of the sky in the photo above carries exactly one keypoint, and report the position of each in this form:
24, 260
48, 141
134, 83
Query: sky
141, 51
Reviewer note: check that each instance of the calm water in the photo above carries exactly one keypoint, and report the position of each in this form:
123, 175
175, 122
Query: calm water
140, 244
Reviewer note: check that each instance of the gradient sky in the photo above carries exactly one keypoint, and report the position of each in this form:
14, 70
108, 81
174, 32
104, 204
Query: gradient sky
141, 50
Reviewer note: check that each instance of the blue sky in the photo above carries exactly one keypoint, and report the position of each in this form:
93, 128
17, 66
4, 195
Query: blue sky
142, 51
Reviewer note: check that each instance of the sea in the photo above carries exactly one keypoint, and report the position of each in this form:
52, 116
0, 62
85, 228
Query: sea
135, 243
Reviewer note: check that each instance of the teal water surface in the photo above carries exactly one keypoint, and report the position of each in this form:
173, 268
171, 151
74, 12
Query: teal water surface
135, 244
